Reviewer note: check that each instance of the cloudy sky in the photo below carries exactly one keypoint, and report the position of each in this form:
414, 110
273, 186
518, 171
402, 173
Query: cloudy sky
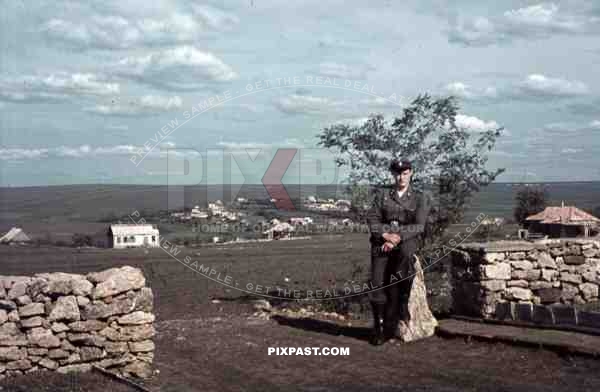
96, 91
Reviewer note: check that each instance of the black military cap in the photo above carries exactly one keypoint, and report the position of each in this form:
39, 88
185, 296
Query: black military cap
398, 166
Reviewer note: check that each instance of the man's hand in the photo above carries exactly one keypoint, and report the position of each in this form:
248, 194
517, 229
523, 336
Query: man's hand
394, 238
388, 246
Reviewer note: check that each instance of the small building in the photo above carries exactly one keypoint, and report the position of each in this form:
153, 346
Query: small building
301, 221
15, 236
216, 208
563, 221
198, 213
279, 231
133, 236
231, 216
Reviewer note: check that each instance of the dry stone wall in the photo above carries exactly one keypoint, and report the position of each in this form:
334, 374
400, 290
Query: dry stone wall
67, 322
549, 282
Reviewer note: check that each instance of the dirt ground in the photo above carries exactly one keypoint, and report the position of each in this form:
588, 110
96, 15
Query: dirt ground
320, 263
226, 350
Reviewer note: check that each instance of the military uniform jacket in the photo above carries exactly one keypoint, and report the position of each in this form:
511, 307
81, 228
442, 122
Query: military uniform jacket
406, 215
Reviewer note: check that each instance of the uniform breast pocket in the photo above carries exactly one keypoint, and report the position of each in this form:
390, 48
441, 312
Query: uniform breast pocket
410, 212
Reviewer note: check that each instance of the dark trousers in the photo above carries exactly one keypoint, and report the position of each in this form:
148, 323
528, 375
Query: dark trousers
399, 264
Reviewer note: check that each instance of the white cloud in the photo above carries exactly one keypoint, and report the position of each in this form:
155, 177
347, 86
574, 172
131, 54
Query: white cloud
81, 151
214, 18
118, 127
466, 91
474, 124
145, 105
288, 143
180, 68
595, 124
540, 85
122, 32
87, 151
17, 154
343, 71
305, 104
59, 86
535, 21
569, 151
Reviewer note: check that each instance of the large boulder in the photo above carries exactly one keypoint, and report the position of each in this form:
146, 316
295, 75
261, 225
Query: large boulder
419, 322
116, 280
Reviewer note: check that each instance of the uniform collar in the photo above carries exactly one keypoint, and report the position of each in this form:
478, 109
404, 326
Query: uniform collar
407, 194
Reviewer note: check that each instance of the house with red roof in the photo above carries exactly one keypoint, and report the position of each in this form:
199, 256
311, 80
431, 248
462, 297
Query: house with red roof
563, 221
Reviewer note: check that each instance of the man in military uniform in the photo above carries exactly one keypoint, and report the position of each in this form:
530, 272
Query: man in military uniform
396, 221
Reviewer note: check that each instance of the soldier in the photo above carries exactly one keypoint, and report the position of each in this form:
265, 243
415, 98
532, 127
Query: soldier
396, 221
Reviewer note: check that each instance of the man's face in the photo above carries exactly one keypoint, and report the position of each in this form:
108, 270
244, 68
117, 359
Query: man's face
403, 178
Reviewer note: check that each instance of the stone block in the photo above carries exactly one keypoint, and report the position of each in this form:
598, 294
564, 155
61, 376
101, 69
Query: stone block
569, 291
518, 283
139, 317
489, 285
564, 315
142, 346
518, 293
499, 271
84, 367
533, 274
32, 322
116, 281
516, 255
546, 261
542, 315
66, 308
549, 295
524, 312
548, 275
588, 319
493, 257
570, 278
32, 309
505, 311
589, 291
574, 260
540, 285
521, 264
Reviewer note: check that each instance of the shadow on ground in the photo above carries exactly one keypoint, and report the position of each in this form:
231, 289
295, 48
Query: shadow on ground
309, 324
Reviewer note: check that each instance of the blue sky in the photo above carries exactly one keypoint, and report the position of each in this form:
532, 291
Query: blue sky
86, 86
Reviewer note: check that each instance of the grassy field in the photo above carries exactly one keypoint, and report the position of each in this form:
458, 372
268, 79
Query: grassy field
326, 263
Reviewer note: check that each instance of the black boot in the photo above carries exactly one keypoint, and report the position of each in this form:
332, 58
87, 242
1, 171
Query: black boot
390, 322
378, 337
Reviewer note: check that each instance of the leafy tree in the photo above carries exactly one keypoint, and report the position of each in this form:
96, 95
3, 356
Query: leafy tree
449, 161
529, 200
359, 199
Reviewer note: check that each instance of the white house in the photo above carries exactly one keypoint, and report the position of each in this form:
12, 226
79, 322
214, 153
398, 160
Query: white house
278, 231
216, 208
198, 213
15, 235
301, 221
133, 236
